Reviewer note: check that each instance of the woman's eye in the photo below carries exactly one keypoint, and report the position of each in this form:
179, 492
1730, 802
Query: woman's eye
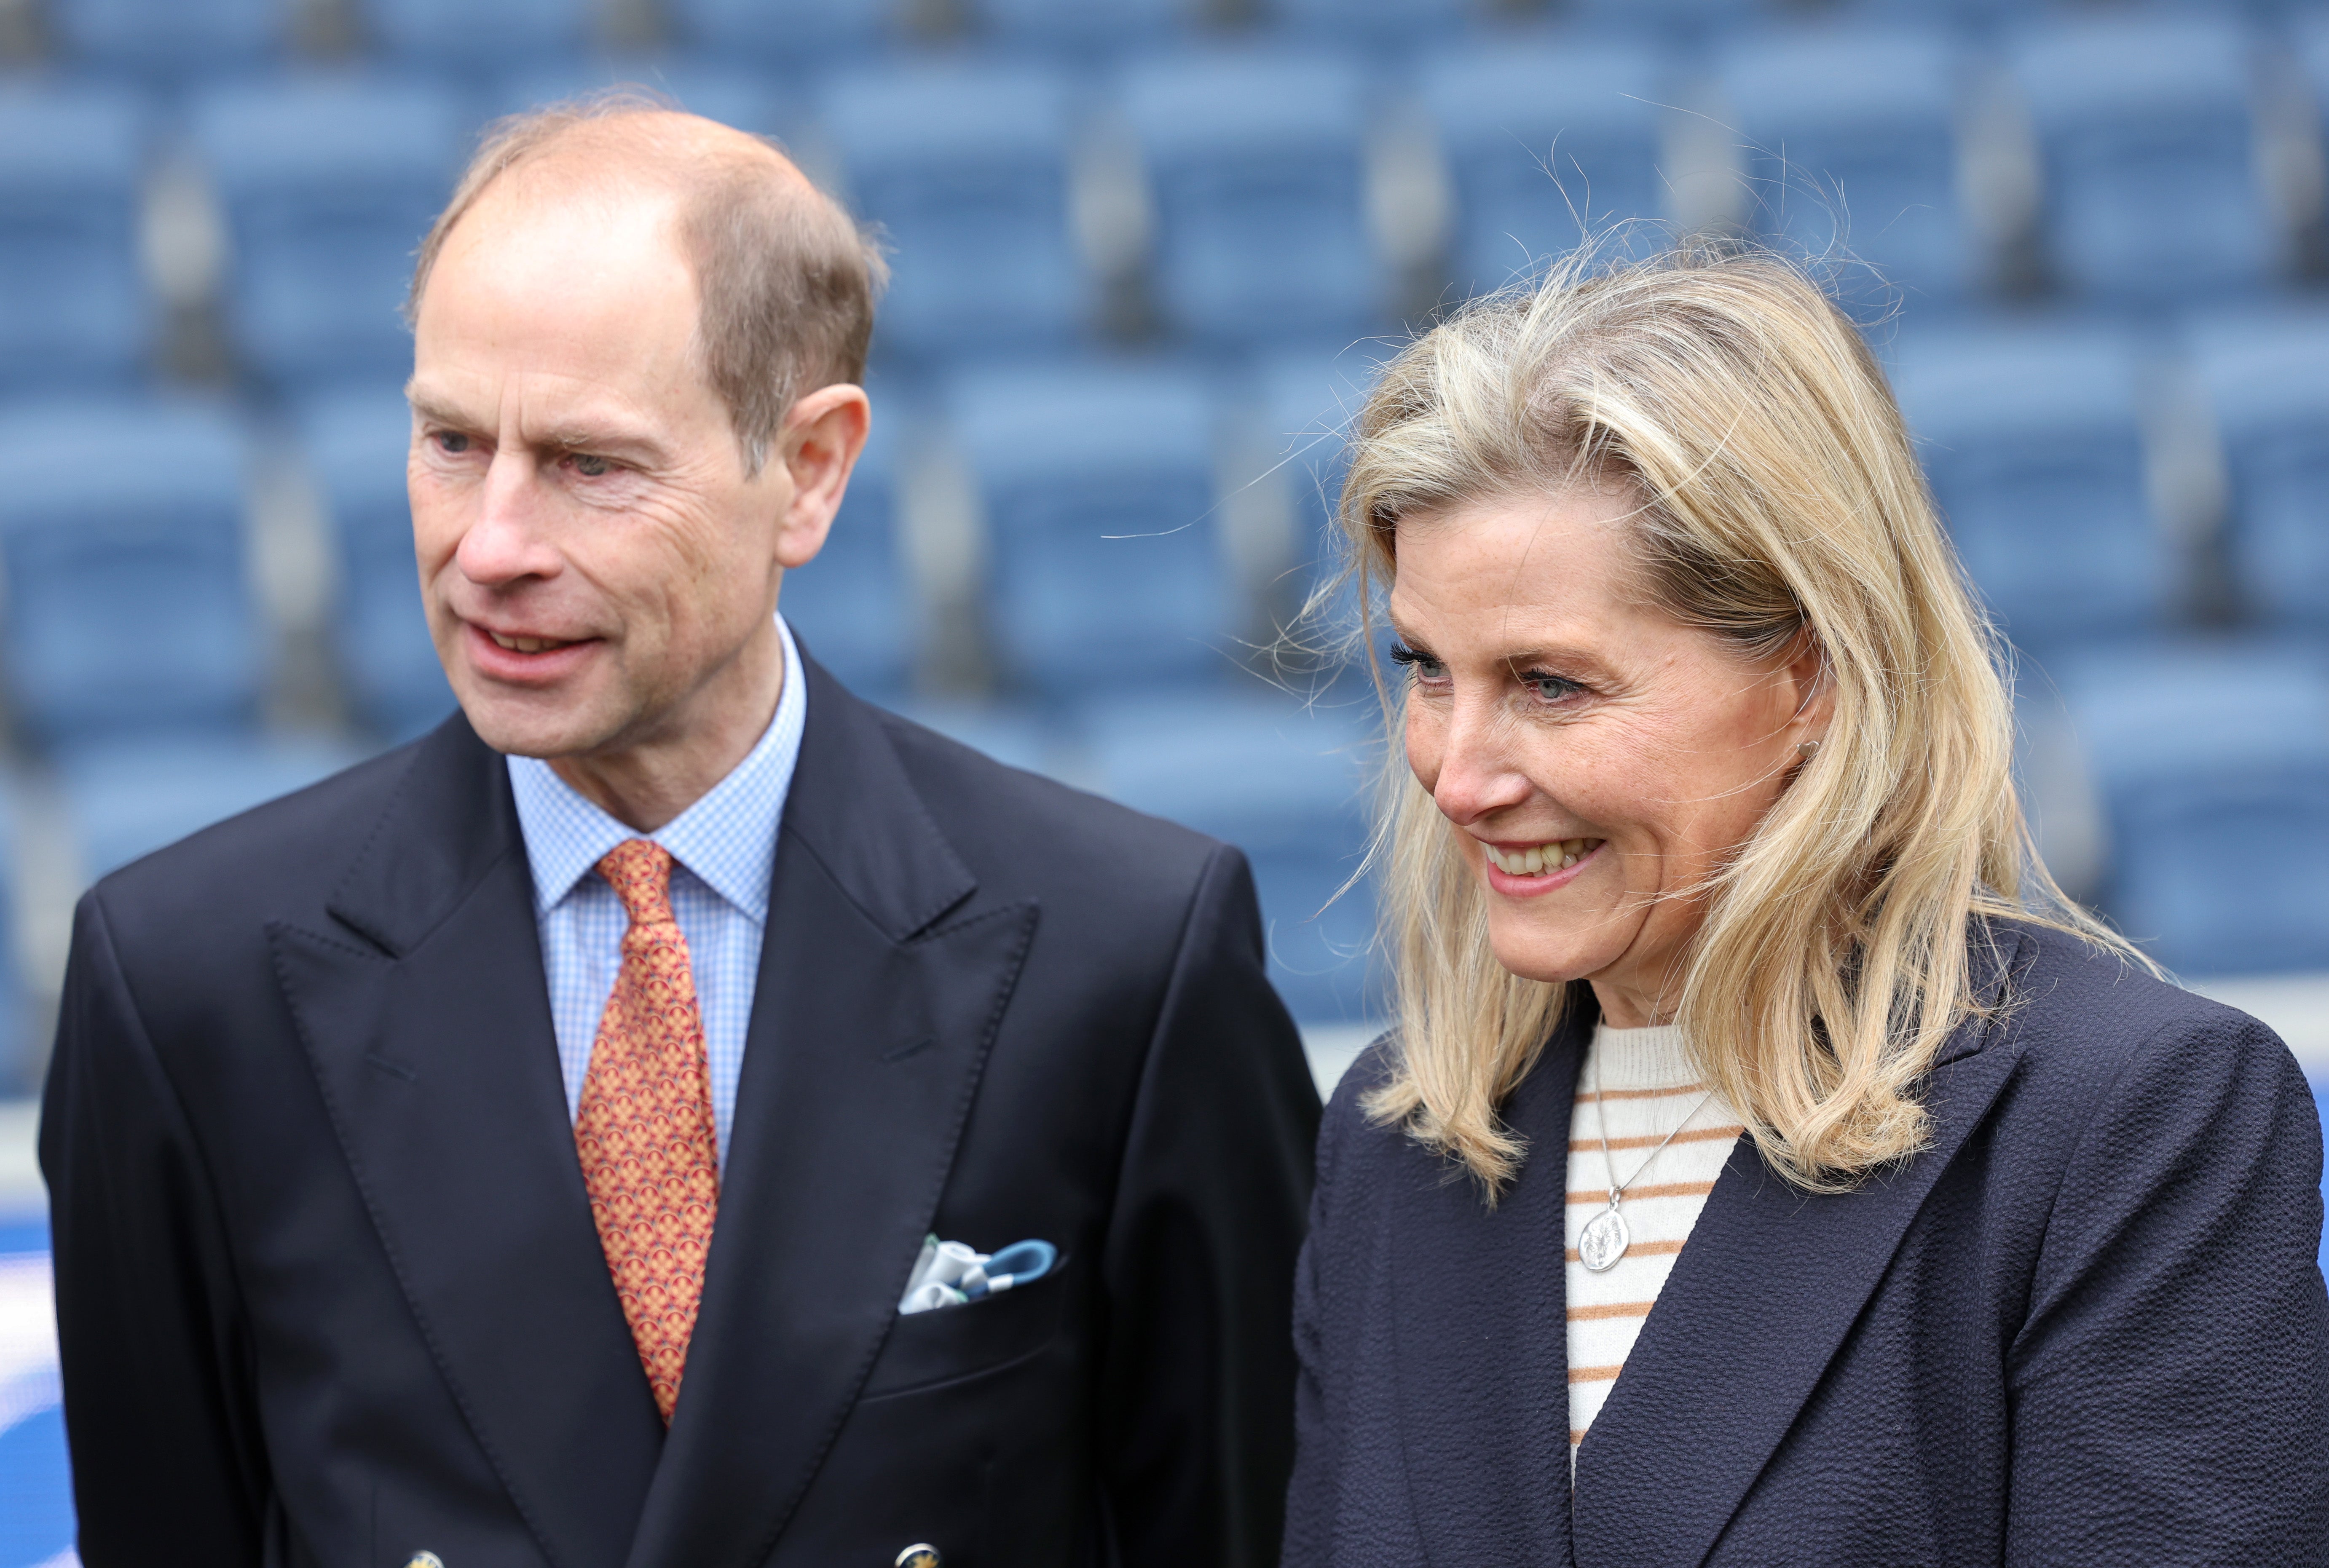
591, 467
1549, 687
1423, 666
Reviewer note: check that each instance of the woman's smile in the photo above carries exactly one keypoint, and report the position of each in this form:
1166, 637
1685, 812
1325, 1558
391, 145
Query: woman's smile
1527, 869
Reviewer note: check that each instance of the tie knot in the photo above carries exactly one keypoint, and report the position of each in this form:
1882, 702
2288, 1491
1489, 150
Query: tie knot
640, 871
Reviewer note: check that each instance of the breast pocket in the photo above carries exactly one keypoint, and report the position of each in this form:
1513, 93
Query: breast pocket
928, 1350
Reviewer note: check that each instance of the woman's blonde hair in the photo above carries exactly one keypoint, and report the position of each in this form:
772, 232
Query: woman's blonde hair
1777, 496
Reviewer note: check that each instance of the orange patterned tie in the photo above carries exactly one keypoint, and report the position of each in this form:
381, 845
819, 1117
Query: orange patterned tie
650, 1158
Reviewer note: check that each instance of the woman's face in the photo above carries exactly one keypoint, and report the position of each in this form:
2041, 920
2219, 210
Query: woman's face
1599, 759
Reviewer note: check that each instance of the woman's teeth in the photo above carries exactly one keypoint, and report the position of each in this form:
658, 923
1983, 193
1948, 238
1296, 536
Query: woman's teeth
525, 644
1540, 859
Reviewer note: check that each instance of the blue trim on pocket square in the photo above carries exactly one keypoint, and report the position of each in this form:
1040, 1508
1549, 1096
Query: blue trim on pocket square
952, 1274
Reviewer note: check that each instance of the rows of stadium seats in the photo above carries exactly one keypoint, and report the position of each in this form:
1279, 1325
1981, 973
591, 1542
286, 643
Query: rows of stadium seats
2152, 137
1142, 269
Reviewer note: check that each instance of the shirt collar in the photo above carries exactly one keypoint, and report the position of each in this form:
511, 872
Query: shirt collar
727, 839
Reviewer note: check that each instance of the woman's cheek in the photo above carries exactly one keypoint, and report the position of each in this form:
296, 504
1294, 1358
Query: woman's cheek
1425, 746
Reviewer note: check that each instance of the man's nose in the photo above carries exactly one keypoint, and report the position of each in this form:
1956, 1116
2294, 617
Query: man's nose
508, 540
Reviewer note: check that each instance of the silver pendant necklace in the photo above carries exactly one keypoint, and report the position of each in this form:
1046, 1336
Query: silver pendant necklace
1605, 1238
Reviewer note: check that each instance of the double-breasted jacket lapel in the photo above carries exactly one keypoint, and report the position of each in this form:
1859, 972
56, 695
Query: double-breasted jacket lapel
882, 984
1488, 1440
1758, 1303
423, 1010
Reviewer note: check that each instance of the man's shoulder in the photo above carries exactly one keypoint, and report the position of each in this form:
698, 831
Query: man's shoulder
286, 854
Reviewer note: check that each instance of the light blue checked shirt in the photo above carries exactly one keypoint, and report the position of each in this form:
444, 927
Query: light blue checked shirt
722, 848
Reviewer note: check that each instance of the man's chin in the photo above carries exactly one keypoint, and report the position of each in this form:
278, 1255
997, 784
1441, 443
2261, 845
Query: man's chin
534, 725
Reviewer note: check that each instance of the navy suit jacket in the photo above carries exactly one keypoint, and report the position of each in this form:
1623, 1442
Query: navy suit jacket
2085, 1326
329, 1287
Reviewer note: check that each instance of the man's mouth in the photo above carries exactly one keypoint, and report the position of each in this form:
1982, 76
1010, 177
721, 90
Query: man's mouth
528, 645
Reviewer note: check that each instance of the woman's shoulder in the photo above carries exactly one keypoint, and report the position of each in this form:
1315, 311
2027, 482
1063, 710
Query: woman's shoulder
2078, 1011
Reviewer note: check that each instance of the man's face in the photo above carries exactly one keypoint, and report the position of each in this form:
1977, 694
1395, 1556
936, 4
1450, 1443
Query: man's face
597, 564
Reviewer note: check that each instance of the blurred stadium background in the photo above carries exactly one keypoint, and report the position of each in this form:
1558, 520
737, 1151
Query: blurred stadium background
1146, 253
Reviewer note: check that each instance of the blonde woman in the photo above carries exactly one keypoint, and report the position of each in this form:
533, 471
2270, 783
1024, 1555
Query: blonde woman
1769, 1166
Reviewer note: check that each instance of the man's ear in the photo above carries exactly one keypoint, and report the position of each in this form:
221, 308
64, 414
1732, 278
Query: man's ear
819, 443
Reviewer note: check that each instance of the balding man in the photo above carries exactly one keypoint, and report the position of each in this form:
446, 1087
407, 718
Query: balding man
518, 1149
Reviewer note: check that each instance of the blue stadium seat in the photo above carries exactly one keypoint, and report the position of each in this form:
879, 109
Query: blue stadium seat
128, 797
965, 169
2033, 443
789, 33
1257, 160
2212, 763
1675, 19
1083, 26
356, 443
328, 186
1852, 149
1014, 737
1309, 403
853, 605
477, 37
2267, 382
1386, 23
1099, 489
1289, 786
121, 543
1544, 143
73, 301
2146, 138
171, 39
734, 96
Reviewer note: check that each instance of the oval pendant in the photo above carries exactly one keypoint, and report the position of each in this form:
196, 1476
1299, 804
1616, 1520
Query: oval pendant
1603, 1240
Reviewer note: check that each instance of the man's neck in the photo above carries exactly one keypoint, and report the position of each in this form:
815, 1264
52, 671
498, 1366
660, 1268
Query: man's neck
645, 785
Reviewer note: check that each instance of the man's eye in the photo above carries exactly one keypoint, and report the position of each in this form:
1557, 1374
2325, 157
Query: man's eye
451, 441
591, 467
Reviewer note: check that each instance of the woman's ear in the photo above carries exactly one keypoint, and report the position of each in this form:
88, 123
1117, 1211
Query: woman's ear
1813, 689
818, 445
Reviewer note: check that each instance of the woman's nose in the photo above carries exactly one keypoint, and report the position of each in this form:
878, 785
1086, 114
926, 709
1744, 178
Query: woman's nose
1462, 758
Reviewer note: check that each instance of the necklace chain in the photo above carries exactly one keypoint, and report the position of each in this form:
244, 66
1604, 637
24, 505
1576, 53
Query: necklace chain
1609, 1165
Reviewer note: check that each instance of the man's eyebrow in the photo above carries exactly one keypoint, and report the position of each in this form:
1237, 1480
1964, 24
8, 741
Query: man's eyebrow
429, 408
616, 438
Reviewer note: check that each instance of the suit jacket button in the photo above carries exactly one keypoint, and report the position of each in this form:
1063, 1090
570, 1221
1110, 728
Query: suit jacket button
916, 1556
424, 1560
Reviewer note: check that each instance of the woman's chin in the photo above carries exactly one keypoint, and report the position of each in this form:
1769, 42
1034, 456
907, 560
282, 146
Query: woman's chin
1552, 958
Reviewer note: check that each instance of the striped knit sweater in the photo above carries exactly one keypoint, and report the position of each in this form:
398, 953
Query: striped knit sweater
1638, 1085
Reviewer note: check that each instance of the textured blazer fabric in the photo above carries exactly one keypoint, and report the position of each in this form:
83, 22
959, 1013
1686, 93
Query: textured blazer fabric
329, 1287
2086, 1326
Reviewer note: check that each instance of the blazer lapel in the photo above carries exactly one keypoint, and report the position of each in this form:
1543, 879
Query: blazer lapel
1482, 1360
1758, 1303
428, 1024
870, 1022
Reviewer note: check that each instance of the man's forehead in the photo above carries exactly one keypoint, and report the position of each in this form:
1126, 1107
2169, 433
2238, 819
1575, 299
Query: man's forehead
659, 151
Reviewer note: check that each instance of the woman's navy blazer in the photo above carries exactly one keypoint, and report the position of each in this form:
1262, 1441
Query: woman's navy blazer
2086, 1326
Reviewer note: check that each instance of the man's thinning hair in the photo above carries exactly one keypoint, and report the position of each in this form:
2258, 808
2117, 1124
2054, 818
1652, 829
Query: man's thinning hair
787, 281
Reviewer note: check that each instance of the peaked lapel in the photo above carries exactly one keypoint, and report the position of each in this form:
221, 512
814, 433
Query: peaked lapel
427, 1020
1482, 1360
1758, 1303
878, 997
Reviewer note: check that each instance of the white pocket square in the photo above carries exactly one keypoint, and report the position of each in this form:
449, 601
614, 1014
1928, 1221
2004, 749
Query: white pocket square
951, 1274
